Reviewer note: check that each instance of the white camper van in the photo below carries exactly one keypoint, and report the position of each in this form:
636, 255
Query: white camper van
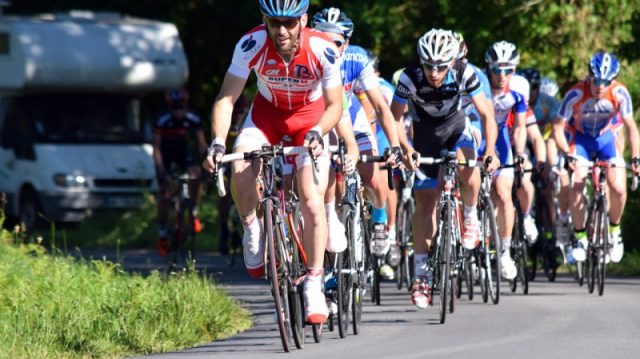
72, 136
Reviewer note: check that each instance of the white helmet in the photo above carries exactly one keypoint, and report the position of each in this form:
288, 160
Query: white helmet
438, 46
502, 53
549, 87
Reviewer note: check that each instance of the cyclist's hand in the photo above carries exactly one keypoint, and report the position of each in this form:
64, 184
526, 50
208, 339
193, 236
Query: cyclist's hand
493, 164
393, 155
570, 161
410, 159
635, 165
313, 141
214, 156
349, 164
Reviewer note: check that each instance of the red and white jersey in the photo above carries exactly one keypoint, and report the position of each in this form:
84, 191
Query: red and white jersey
316, 65
591, 116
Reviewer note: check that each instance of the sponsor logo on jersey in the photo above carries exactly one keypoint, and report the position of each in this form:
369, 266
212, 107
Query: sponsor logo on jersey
302, 72
273, 72
330, 55
271, 62
248, 44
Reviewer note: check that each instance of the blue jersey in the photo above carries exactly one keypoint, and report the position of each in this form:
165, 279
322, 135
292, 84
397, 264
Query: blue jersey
357, 71
467, 104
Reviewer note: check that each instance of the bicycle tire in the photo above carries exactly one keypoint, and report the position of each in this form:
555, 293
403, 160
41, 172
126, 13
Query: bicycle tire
344, 278
591, 251
359, 245
296, 299
468, 275
277, 285
603, 233
492, 252
442, 259
515, 243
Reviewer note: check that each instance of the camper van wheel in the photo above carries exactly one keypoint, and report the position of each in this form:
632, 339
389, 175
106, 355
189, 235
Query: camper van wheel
28, 209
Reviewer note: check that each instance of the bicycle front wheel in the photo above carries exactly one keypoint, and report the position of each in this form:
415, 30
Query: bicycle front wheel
492, 250
602, 240
275, 268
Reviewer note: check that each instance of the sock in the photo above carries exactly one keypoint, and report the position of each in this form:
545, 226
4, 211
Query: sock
506, 244
420, 264
614, 228
548, 235
470, 212
313, 280
563, 217
379, 215
330, 210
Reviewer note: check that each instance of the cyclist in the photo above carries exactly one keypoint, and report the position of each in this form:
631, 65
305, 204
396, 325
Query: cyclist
386, 215
299, 100
358, 72
433, 88
590, 108
535, 146
508, 98
171, 150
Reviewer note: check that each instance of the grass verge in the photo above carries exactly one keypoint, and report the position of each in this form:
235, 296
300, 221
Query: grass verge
60, 307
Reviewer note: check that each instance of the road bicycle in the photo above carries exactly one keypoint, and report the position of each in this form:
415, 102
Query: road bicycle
405, 211
285, 259
447, 257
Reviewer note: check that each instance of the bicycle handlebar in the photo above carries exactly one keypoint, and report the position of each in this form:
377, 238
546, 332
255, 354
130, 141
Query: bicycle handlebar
372, 159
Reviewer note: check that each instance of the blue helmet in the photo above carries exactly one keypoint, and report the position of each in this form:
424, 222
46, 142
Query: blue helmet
333, 20
284, 8
604, 66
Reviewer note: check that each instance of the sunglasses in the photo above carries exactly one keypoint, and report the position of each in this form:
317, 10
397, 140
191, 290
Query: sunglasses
498, 71
601, 82
339, 43
288, 23
438, 68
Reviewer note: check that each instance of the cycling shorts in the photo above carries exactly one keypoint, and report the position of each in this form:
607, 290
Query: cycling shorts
503, 150
602, 147
266, 124
432, 146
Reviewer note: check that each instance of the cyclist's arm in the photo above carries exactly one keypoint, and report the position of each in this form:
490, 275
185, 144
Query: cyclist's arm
558, 135
344, 130
489, 125
157, 154
397, 110
539, 146
202, 142
332, 110
520, 133
222, 110
632, 135
384, 115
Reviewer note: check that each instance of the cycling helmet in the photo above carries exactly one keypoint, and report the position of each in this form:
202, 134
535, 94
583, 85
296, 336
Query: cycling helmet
549, 87
373, 59
177, 97
502, 53
438, 46
604, 66
284, 8
333, 20
462, 52
532, 75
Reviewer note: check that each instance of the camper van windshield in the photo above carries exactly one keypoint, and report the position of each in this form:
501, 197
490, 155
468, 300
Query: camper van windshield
82, 118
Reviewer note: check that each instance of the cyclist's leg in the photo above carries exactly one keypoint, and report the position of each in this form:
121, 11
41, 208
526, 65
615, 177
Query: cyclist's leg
424, 230
466, 148
195, 191
617, 197
337, 240
245, 197
311, 185
525, 194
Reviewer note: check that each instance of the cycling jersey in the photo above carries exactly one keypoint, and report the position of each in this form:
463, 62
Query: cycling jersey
467, 104
357, 71
174, 133
436, 106
439, 122
289, 100
590, 116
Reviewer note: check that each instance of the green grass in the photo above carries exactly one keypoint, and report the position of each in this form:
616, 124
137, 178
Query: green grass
136, 228
53, 306
629, 266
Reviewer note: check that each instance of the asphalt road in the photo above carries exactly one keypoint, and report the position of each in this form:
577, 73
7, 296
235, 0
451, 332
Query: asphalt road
558, 320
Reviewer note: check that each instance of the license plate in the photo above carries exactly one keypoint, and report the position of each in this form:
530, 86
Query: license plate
122, 202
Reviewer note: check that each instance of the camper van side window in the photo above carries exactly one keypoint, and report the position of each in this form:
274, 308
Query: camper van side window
17, 132
4, 43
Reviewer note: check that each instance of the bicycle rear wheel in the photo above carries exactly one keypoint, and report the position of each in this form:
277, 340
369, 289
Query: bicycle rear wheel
279, 286
345, 271
358, 243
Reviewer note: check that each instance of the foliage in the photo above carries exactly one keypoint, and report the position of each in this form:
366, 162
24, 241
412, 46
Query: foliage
59, 307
